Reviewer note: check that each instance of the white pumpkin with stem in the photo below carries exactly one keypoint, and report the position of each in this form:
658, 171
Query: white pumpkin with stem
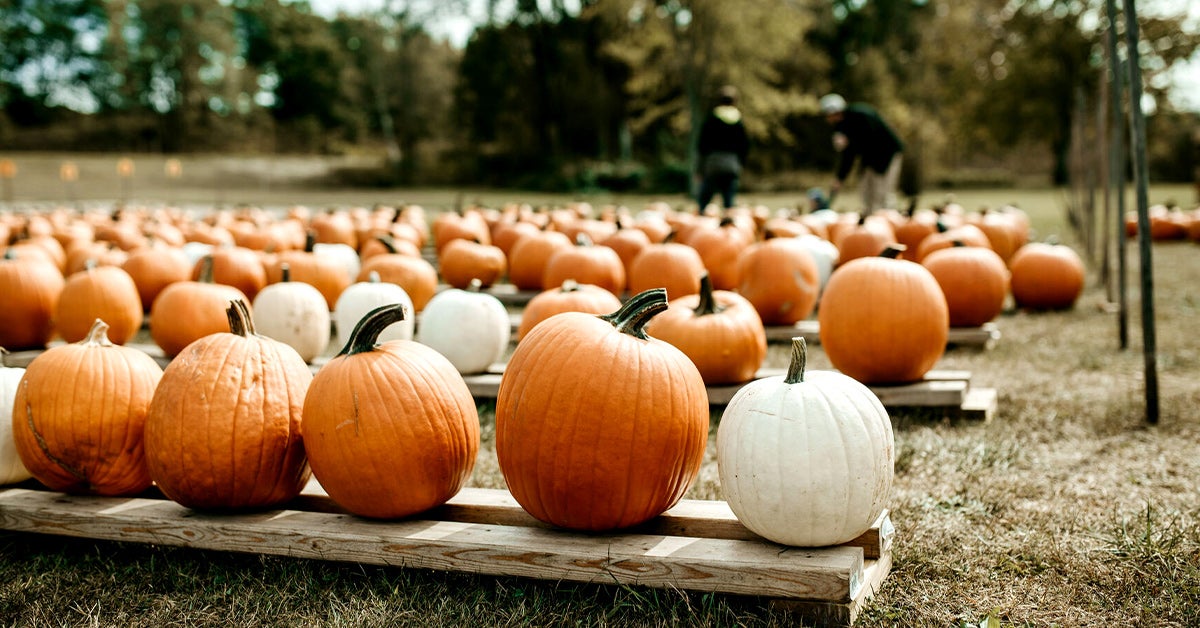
359, 299
469, 327
11, 468
806, 459
294, 313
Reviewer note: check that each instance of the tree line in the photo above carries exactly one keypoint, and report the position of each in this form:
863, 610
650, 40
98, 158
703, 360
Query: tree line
601, 93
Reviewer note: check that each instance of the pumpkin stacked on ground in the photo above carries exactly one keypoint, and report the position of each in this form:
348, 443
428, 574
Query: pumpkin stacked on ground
883, 320
31, 288
79, 415
598, 426
390, 429
806, 459
974, 281
186, 311
99, 292
1046, 276
223, 431
780, 277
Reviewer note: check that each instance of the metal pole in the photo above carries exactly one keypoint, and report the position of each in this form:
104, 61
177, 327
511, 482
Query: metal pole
1117, 169
1143, 203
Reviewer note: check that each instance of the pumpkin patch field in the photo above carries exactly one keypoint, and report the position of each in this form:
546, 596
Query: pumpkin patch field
347, 327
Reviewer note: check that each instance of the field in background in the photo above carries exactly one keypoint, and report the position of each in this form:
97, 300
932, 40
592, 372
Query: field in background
1066, 509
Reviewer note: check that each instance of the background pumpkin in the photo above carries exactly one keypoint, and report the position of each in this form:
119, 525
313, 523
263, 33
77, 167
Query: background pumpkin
360, 298
974, 281
103, 292
390, 429
79, 415
186, 311
1046, 276
780, 278
294, 313
31, 289
470, 328
571, 296
11, 468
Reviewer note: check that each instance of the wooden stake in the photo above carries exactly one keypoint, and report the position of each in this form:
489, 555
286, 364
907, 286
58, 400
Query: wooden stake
1117, 168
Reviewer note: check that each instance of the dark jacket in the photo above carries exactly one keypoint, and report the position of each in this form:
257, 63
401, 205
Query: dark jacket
723, 131
868, 137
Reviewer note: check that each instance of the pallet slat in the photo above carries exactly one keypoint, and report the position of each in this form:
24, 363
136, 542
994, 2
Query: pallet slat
984, 337
835, 579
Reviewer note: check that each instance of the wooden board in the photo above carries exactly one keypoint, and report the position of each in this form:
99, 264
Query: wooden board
983, 337
697, 546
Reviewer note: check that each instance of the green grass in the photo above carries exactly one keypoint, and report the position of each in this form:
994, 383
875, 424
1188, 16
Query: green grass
1065, 510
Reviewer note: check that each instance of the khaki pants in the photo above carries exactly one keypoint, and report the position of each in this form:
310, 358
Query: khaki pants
879, 189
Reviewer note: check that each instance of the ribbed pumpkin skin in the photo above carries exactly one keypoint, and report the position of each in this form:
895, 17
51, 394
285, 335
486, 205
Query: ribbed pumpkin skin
79, 414
727, 346
186, 311
224, 425
596, 429
31, 289
780, 277
808, 463
568, 297
1046, 276
104, 292
391, 432
883, 321
671, 265
974, 281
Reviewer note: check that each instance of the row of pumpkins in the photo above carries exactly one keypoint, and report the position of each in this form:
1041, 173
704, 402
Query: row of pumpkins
238, 421
881, 321
1167, 223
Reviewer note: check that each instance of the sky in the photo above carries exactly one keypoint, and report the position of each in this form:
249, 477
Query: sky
457, 29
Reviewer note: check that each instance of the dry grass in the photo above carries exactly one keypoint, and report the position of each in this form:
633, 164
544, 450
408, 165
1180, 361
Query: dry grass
1066, 509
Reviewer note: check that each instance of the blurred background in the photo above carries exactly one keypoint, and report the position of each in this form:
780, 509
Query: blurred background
575, 96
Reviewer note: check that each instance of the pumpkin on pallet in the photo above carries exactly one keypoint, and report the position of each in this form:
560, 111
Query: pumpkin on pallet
1046, 276
586, 263
99, 292
598, 426
806, 458
571, 296
719, 330
79, 415
469, 327
462, 261
362, 297
223, 430
780, 277
669, 264
11, 468
390, 429
883, 320
31, 288
293, 313
973, 279
186, 311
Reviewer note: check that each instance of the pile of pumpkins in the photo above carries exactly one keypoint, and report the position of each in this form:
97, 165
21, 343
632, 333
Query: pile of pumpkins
1167, 223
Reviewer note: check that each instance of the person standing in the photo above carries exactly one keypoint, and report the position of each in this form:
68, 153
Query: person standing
723, 146
861, 135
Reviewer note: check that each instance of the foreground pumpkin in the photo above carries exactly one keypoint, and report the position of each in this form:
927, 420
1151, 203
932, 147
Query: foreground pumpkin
390, 429
883, 320
11, 468
598, 426
719, 330
224, 425
79, 414
806, 459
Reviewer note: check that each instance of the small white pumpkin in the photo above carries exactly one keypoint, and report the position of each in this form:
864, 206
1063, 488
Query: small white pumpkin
359, 299
11, 468
806, 459
294, 313
824, 253
469, 327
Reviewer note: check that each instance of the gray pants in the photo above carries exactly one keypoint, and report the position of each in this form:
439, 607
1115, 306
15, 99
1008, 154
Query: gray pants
878, 189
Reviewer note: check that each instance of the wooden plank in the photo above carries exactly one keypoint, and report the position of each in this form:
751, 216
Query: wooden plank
984, 337
833, 614
980, 405
835, 575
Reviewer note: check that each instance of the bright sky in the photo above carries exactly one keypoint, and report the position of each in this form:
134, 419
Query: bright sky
457, 29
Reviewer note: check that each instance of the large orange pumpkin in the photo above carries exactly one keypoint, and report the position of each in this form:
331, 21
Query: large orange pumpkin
974, 280
882, 320
79, 416
586, 263
671, 265
719, 249
528, 256
390, 429
598, 426
462, 260
571, 296
153, 268
223, 431
719, 330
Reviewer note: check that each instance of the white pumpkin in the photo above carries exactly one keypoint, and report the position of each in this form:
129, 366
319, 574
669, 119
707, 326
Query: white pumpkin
194, 251
824, 253
358, 299
343, 253
11, 468
806, 459
469, 327
294, 313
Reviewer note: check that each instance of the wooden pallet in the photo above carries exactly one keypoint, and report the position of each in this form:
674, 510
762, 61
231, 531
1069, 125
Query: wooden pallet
696, 546
941, 389
983, 337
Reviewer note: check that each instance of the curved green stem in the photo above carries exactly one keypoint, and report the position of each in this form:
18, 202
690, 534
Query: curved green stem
636, 313
893, 251
708, 303
240, 321
285, 272
366, 332
799, 359
206, 269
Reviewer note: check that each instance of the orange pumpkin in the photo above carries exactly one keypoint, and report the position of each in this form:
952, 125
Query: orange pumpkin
719, 249
389, 429
186, 311
598, 426
781, 279
571, 296
236, 266
153, 269
81, 410
324, 272
31, 289
868, 238
528, 257
462, 260
882, 320
719, 330
974, 280
417, 276
587, 264
1046, 276
223, 430
671, 265
101, 292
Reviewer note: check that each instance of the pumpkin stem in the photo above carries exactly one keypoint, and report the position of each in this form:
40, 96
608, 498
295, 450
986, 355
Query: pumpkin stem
310, 240
206, 269
240, 321
373, 277
10, 254
708, 303
388, 242
569, 285
583, 239
795, 372
475, 286
366, 332
97, 335
893, 251
285, 272
636, 313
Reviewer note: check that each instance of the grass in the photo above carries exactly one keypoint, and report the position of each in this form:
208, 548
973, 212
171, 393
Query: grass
1066, 509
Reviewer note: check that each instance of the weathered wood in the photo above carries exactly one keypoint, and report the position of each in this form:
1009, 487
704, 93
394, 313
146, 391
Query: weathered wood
833, 575
985, 336
980, 405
